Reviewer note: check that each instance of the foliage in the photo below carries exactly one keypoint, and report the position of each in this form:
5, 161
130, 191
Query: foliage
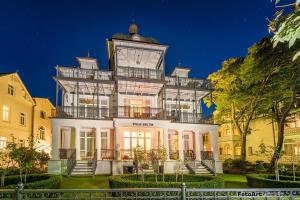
35, 181
162, 155
286, 28
192, 181
238, 166
26, 158
140, 159
269, 181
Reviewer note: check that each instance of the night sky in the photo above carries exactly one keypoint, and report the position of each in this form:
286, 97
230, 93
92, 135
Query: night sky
37, 35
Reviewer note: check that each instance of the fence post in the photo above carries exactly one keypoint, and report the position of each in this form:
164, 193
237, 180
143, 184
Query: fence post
183, 191
19, 190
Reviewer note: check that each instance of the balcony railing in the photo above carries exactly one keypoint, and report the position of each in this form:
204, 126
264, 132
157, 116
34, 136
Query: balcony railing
133, 72
185, 117
107, 154
140, 112
188, 82
64, 72
292, 131
82, 112
65, 153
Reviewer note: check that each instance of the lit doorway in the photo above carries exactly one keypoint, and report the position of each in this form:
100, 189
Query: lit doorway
87, 143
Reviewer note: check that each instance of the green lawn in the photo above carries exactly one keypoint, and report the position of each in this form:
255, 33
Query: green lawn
234, 180
231, 181
98, 182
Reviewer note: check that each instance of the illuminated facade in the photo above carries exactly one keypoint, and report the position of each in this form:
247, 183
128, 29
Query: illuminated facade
262, 131
105, 114
21, 116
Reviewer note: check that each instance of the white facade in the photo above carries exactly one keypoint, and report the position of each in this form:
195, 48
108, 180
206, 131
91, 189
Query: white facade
105, 114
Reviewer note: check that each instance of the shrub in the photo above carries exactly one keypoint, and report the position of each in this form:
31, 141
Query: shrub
269, 181
238, 166
34, 181
192, 181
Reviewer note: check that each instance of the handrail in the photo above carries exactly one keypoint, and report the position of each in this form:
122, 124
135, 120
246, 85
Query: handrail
94, 162
71, 162
207, 159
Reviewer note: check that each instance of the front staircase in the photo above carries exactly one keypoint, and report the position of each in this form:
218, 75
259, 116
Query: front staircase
198, 168
83, 168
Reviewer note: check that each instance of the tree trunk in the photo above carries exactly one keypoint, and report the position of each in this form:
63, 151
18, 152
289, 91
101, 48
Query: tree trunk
279, 144
243, 147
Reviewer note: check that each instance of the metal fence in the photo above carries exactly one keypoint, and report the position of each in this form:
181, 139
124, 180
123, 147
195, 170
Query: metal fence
182, 193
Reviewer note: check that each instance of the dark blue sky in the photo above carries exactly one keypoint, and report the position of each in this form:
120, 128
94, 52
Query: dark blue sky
37, 35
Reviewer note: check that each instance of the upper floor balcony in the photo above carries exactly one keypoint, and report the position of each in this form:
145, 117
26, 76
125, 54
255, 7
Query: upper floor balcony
130, 112
189, 83
142, 73
80, 73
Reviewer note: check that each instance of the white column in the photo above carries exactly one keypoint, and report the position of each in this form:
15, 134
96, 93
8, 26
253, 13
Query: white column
98, 143
180, 144
214, 141
166, 142
117, 144
77, 142
55, 142
200, 143
197, 146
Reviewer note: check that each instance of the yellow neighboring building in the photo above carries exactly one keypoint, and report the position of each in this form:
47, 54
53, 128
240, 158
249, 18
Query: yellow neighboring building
21, 115
262, 131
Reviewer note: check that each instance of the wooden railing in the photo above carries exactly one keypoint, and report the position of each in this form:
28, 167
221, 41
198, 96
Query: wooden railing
107, 154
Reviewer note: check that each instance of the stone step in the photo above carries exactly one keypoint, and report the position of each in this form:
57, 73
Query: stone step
82, 170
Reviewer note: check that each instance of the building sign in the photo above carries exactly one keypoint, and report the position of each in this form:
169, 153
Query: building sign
142, 124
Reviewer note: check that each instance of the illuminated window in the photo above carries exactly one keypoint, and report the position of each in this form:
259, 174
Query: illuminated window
2, 142
22, 119
42, 133
5, 114
10, 90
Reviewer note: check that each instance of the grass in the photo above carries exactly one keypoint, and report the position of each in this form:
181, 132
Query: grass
234, 180
98, 182
231, 181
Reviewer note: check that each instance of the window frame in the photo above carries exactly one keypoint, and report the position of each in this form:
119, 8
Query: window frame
22, 119
10, 90
5, 113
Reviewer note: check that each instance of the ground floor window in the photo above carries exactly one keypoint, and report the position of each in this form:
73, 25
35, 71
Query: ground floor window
132, 139
3, 141
87, 143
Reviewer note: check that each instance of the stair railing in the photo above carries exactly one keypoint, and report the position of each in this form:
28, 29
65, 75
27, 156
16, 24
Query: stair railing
71, 162
94, 163
208, 161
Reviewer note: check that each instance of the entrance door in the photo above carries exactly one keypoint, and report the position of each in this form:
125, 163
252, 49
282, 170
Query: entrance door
87, 143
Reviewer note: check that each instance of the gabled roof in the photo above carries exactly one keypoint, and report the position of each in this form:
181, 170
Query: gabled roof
21, 82
42, 98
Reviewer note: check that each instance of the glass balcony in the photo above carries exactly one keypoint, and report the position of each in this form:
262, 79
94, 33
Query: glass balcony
133, 72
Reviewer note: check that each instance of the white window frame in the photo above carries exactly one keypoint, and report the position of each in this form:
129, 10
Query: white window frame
5, 113
3, 142
22, 119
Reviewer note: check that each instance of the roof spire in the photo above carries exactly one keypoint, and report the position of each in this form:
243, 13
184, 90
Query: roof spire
88, 53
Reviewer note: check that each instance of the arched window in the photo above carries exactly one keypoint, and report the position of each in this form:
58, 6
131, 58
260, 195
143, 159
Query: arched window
237, 150
42, 133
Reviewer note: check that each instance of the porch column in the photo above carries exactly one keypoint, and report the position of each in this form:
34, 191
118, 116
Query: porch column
117, 144
180, 145
77, 142
55, 142
98, 143
214, 141
200, 143
166, 142
197, 145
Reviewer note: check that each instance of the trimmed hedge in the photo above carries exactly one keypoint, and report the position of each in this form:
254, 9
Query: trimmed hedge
269, 181
192, 181
34, 181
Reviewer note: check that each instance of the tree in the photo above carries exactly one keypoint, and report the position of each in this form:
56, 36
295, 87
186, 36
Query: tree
286, 28
139, 159
155, 162
279, 94
5, 163
162, 155
235, 96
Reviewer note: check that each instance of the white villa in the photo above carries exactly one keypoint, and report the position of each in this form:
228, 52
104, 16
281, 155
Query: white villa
104, 114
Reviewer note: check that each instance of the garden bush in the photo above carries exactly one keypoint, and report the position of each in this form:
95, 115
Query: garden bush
269, 181
192, 181
34, 181
238, 166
